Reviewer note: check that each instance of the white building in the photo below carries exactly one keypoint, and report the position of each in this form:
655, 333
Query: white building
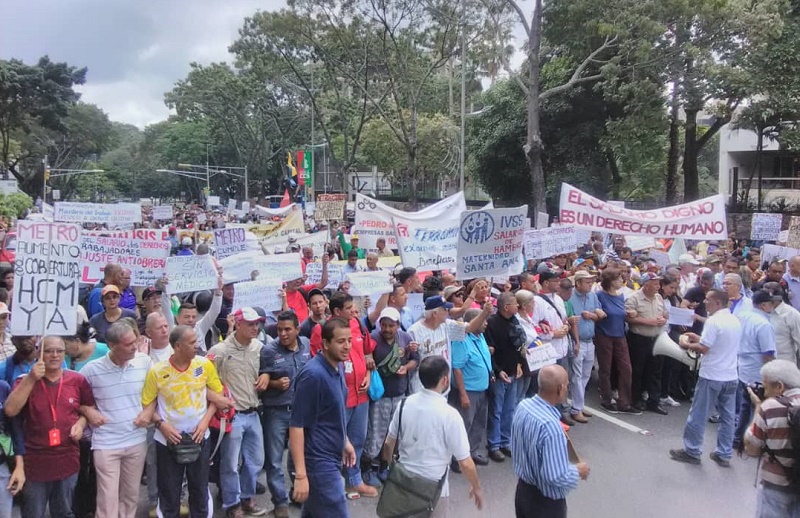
780, 169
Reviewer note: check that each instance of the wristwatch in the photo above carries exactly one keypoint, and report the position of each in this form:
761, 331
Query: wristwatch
157, 424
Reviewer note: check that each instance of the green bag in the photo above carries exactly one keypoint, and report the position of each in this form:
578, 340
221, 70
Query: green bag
407, 494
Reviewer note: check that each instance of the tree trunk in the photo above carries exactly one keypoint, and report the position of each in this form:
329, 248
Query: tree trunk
691, 180
616, 178
673, 155
533, 144
413, 196
759, 164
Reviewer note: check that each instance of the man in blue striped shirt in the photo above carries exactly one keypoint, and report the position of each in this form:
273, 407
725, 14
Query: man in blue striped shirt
539, 450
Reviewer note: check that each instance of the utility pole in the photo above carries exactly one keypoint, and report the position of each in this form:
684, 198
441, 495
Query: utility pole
313, 109
462, 150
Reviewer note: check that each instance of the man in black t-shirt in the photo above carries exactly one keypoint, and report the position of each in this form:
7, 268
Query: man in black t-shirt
696, 297
317, 312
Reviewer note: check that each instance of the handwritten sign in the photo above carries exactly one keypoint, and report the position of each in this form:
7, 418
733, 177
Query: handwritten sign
113, 215
783, 236
330, 207
191, 273
335, 274
364, 284
162, 212
701, 219
230, 241
549, 242
429, 243
240, 267
540, 356
766, 227
793, 239
490, 242
771, 252
145, 258
46, 278
257, 294
680, 316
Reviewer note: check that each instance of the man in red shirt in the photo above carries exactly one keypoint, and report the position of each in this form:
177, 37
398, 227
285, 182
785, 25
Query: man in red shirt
356, 377
49, 399
296, 293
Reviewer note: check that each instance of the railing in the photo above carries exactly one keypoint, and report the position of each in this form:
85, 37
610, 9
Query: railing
769, 182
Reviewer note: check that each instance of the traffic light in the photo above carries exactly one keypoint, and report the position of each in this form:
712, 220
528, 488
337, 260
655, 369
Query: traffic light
46, 174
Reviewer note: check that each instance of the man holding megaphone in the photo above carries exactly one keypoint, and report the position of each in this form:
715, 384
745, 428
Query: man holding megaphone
717, 382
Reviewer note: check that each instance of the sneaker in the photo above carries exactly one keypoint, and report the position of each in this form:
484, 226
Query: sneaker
496, 456
630, 411
249, 508
639, 405
714, 418
611, 408
234, 512
281, 511
371, 478
668, 401
505, 450
682, 456
719, 460
586, 413
657, 409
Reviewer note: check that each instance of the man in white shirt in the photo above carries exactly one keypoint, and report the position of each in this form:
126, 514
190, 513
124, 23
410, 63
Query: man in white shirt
187, 313
119, 438
785, 322
431, 432
688, 266
792, 278
717, 383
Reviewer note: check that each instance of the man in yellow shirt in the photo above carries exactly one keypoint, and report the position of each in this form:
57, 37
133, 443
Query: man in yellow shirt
182, 387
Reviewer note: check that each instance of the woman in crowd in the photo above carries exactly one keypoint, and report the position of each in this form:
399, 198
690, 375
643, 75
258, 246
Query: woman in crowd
482, 292
525, 300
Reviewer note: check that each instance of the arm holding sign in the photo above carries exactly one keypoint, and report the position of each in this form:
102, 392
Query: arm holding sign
205, 323
22, 390
379, 306
323, 282
166, 301
476, 324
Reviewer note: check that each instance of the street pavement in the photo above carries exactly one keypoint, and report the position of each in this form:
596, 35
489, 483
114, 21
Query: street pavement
632, 475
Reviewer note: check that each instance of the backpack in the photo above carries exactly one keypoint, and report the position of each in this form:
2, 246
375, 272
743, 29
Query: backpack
793, 417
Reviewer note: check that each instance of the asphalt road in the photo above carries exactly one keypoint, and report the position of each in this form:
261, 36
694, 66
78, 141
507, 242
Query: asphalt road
632, 475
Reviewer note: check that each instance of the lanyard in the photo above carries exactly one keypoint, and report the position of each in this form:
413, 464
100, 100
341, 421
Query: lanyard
58, 396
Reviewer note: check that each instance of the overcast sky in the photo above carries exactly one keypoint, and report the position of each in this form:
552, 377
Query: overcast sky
135, 50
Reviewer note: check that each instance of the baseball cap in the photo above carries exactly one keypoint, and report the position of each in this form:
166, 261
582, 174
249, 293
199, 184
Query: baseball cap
437, 302
248, 315
547, 275
405, 274
150, 291
109, 288
649, 277
688, 259
4, 309
583, 274
186, 241
390, 313
713, 259
547, 265
315, 291
353, 237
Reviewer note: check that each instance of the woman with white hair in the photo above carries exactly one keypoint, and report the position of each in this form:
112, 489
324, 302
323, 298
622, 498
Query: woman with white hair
525, 300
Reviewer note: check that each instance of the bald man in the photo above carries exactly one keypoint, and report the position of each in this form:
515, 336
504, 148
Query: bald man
539, 450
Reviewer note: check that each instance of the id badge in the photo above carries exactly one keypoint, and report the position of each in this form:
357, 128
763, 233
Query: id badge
55, 437
348, 367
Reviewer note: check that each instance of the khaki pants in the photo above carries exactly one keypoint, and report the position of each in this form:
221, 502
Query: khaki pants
119, 473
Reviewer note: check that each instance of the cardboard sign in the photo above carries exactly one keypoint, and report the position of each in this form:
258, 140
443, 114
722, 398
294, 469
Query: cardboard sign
549, 242
230, 241
257, 294
113, 215
766, 227
701, 219
490, 243
162, 212
429, 243
191, 273
364, 284
46, 278
330, 207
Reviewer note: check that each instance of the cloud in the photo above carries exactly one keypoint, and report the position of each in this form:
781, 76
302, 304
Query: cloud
135, 50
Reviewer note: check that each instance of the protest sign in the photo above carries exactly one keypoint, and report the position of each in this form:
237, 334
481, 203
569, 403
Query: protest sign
258, 294
246, 207
793, 238
701, 219
145, 258
292, 224
46, 279
680, 316
162, 212
540, 355
415, 305
549, 242
660, 257
271, 213
490, 242
364, 284
213, 201
241, 267
639, 242
113, 215
330, 207
231, 205
766, 227
429, 243
230, 241
335, 274
542, 220
191, 273
374, 218
783, 236
201, 218
316, 241
770, 253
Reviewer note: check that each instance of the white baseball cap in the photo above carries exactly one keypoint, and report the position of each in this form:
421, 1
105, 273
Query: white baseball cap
391, 314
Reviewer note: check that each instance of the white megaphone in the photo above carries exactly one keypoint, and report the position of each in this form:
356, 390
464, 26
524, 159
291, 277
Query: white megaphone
666, 346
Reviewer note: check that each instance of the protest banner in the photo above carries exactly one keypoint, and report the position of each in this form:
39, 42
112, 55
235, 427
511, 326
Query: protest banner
162, 212
428, 243
490, 242
111, 214
549, 242
542, 220
258, 294
364, 284
241, 267
292, 224
271, 213
316, 241
766, 227
770, 253
330, 207
374, 218
213, 201
230, 241
145, 258
701, 219
46, 278
793, 238
639, 242
187, 273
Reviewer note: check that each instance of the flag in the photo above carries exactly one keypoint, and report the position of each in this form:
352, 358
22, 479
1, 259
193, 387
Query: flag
286, 201
308, 165
301, 174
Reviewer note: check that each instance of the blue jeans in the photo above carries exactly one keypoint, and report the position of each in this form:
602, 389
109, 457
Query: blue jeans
503, 401
325, 493
246, 442
58, 494
6, 500
275, 422
709, 394
357, 418
774, 502
744, 412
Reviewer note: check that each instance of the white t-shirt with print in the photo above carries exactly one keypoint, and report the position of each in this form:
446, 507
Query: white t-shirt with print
543, 311
435, 342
